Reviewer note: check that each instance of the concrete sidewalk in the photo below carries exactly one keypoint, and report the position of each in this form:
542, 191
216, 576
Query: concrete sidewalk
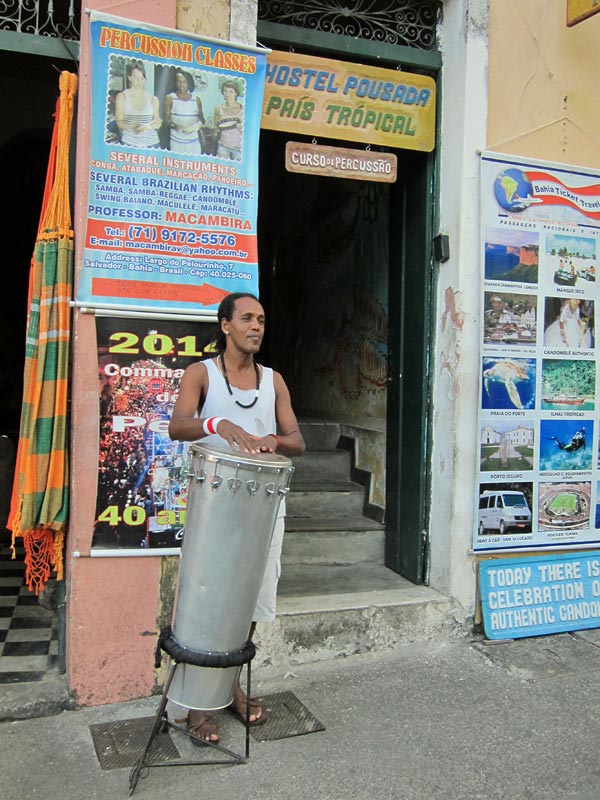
429, 721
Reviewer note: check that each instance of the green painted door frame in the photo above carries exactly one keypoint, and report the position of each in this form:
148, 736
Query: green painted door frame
413, 211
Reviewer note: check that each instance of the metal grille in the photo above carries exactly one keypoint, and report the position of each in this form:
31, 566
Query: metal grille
402, 22
120, 744
41, 17
286, 716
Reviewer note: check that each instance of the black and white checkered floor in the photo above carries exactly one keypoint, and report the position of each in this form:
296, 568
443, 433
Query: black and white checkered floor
28, 633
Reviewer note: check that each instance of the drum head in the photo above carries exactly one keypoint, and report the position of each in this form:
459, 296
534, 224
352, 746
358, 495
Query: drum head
233, 456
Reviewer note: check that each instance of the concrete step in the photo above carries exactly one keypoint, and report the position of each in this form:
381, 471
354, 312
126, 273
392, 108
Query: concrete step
318, 498
325, 612
322, 464
333, 540
320, 434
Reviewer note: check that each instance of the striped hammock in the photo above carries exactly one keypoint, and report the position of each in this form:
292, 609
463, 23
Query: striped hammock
39, 502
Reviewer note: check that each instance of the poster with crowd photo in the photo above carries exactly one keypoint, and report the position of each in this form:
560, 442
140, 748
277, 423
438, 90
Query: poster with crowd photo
142, 487
539, 464
173, 175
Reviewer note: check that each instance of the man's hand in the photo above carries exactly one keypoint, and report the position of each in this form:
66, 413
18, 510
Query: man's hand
237, 437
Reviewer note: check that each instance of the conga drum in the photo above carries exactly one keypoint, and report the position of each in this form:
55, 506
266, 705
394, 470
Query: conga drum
233, 503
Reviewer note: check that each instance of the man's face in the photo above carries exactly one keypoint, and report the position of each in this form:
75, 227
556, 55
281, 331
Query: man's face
246, 328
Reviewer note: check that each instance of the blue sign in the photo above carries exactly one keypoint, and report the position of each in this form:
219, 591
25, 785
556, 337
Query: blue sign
540, 594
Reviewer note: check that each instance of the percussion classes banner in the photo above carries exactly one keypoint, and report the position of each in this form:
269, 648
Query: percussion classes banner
141, 483
172, 199
539, 460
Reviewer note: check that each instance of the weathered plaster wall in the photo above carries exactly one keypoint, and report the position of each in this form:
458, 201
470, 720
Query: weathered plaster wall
543, 83
115, 605
111, 602
454, 457
537, 101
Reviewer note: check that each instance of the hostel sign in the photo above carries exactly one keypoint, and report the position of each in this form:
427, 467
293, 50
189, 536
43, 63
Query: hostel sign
341, 100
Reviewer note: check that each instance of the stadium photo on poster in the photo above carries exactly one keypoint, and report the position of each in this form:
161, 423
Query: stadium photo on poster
511, 255
568, 384
564, 505
566, 444
508, 382
506, 446
509, 319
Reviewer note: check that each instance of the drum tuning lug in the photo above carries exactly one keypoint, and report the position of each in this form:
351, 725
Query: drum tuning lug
216, 481
234, 484
253, 487
270, 488
200, 476
283, 490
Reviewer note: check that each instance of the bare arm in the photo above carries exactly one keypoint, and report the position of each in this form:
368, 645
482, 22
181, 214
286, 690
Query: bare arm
168, 108
289, 441
156, 120
120, 112
200, 112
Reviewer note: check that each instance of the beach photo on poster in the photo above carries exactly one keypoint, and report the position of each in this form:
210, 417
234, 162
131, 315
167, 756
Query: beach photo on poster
569, 323
564, 506
506, 446
508, 383
568, 385
509, 318
511, 255
566, 444
571, 260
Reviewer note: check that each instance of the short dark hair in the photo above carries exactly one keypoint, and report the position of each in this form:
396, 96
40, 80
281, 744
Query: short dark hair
225, 311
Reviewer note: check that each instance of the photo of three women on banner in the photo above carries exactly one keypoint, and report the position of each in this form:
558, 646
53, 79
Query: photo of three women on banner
186, 111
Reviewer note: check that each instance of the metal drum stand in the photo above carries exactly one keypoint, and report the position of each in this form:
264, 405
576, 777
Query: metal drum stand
214, 660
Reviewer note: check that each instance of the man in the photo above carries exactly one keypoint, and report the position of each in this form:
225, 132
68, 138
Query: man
232, 400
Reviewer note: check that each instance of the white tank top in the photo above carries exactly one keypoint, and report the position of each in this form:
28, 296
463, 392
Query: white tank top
258, 420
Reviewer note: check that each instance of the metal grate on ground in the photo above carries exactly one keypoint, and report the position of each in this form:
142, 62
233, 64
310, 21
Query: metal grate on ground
120, 744
286, 716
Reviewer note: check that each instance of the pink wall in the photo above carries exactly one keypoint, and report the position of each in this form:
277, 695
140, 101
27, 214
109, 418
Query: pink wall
112, 603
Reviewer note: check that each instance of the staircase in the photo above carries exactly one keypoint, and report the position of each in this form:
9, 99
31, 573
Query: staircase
335, 595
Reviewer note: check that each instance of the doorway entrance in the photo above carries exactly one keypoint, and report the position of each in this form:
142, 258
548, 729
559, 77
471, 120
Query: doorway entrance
344, 277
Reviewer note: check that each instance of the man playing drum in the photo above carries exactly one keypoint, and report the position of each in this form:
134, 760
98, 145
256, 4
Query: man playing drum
232, 400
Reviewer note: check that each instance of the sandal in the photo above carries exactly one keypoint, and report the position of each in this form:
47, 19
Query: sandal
238, 709
203, 725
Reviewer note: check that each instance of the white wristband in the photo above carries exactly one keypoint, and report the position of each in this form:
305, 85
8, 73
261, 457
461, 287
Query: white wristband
209, 426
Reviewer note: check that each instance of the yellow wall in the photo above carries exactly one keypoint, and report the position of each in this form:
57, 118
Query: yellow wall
543, 83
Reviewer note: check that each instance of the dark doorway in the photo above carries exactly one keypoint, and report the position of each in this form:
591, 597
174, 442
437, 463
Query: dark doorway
345, 282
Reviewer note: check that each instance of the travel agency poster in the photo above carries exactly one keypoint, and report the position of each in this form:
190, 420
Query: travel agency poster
538, 478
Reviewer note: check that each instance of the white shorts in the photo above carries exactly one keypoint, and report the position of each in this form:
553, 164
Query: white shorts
266, 603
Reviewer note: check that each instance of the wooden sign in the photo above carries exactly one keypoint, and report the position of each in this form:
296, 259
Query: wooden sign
578, 10
349, 102
341, 162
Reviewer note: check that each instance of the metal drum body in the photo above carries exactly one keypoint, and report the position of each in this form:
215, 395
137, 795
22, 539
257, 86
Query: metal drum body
233, 501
